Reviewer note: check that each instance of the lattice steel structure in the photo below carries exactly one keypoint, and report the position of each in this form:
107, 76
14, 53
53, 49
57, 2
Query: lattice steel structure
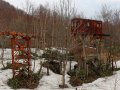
20, 47
86, 27
85, 33
88, 31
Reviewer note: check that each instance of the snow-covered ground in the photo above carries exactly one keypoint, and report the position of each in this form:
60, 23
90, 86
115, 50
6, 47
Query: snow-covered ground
53, 81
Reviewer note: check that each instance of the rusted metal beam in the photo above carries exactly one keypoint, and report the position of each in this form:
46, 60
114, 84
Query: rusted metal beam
20, 48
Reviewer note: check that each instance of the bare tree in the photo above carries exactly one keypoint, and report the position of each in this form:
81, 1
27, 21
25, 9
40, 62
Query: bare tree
67, 11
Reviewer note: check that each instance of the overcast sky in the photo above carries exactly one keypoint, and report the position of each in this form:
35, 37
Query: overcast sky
89, 7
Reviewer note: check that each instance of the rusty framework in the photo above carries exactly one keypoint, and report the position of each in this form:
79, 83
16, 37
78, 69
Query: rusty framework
86, 27
20, 47
85, 33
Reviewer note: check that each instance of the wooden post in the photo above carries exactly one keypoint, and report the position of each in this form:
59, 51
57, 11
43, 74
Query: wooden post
84, 55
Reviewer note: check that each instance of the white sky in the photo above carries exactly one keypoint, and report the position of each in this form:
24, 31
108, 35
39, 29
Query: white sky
89, 7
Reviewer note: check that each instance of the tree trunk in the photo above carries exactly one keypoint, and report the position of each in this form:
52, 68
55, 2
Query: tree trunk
2, 55
70, 65
48, 68
39, 72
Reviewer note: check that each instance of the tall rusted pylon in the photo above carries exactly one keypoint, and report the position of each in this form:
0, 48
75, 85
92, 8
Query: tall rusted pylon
83, 28
87, 28
20, 47
90, 30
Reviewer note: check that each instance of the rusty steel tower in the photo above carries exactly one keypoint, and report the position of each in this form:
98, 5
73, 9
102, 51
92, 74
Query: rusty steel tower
20, 47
